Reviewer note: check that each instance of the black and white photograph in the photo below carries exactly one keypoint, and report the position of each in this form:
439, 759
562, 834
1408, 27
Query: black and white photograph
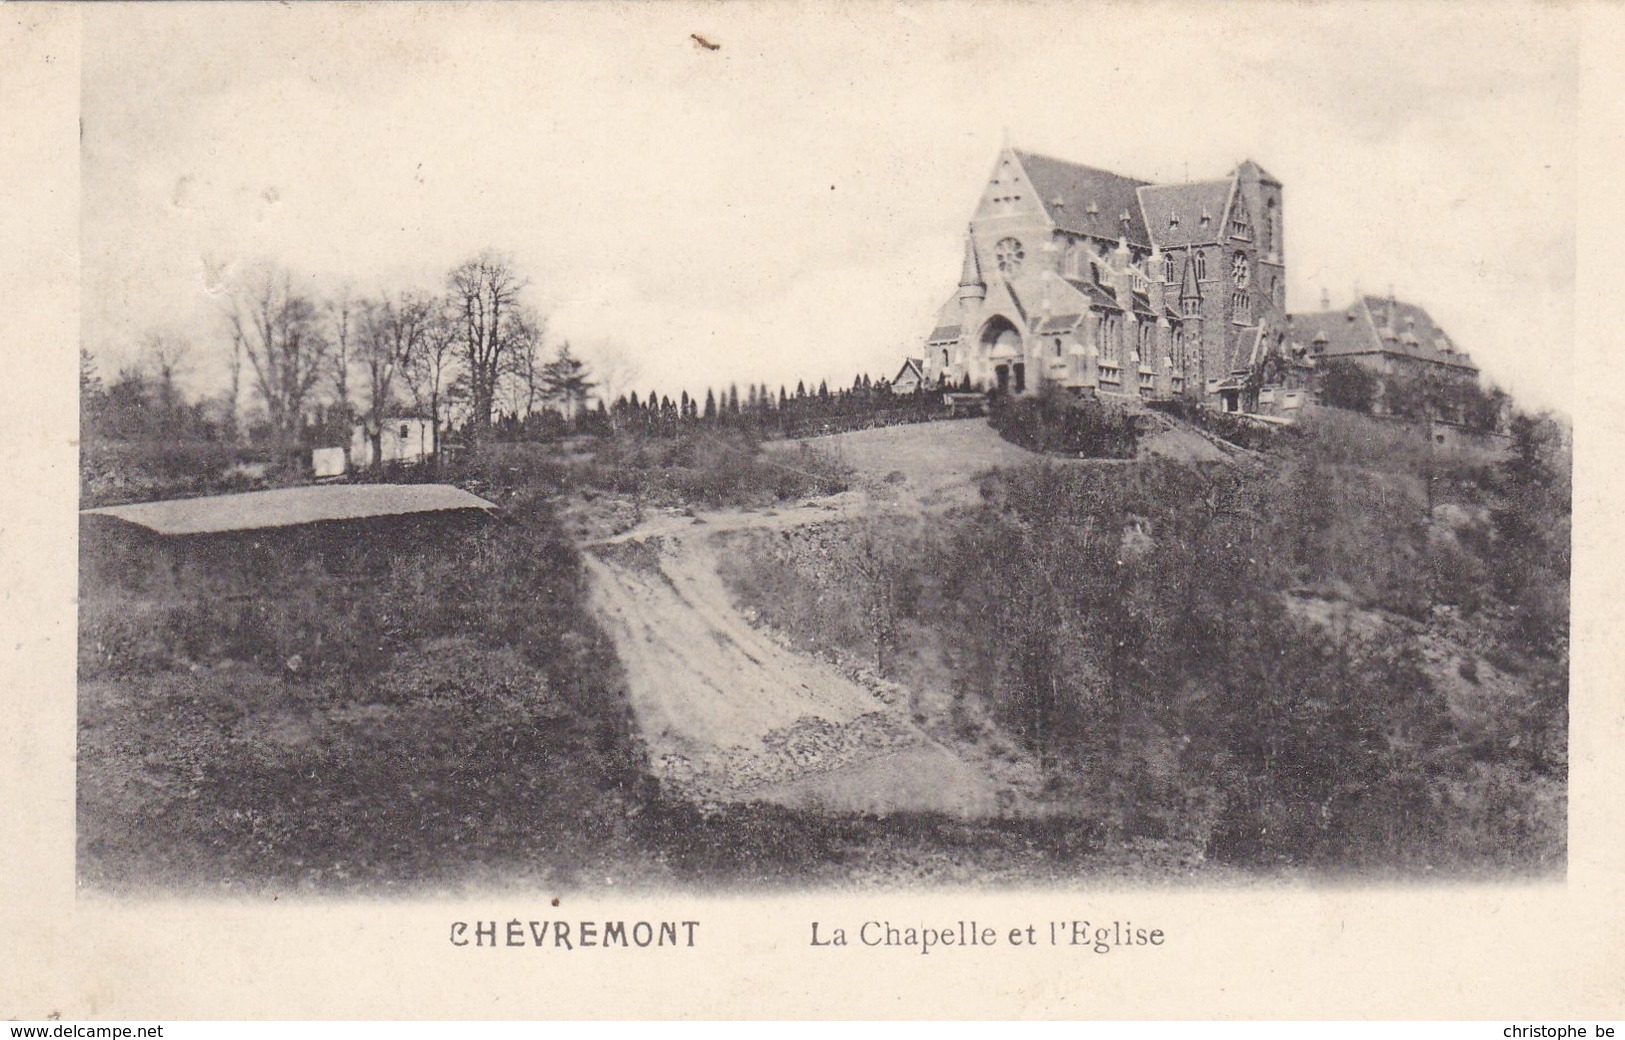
540, 454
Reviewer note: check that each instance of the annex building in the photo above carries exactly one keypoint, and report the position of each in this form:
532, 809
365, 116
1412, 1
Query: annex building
1388, 337
1120, 287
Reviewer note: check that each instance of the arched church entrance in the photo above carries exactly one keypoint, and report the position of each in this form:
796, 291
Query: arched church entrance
1001, 347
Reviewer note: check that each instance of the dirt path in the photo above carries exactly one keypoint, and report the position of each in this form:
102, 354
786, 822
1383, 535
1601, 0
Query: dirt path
730, 713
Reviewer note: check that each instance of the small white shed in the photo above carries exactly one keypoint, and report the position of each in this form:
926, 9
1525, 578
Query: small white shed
403, 439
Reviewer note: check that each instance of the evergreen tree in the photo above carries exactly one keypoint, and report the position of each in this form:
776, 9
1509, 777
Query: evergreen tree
710, 405
564, 379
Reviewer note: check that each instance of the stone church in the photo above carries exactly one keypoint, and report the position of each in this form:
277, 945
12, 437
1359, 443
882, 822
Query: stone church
1103, 283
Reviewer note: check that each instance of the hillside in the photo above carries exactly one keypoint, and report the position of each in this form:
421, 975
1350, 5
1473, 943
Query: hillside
1345, 652
916, 653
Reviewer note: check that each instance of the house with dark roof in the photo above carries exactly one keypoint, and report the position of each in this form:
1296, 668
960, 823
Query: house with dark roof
1117, 286
909, 378
1389, 337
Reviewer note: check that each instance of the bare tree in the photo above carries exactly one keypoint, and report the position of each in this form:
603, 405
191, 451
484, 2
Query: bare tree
281, 337
233, 423
340, 318
485, 291
617, 370
392, 332
521, 367
428, 369
166, 357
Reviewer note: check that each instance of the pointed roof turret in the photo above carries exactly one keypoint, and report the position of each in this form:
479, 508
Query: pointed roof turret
971, 272
1188, 287
970, 275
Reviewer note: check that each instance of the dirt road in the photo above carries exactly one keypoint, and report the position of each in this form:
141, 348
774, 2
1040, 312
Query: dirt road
729, 712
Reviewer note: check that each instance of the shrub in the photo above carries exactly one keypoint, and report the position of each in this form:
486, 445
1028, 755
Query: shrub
390, 702
1057, 420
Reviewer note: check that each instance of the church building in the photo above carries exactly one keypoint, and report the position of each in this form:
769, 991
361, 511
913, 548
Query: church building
1107, 284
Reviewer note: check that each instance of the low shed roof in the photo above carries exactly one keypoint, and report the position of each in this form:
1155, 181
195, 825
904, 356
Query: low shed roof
289, 507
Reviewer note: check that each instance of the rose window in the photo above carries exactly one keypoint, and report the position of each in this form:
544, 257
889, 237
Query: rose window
1008, 254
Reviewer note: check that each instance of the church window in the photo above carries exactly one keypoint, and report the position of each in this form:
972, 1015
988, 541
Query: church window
1057, 346
1009, 254
1168, 268
1272, 227
1201, 264
1192, 307
1241, 270
1240, 307
944, 359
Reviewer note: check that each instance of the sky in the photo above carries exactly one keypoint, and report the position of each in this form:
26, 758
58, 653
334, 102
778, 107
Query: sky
791, 205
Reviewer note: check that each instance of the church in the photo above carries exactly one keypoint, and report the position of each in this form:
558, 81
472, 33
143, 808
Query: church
1106, 284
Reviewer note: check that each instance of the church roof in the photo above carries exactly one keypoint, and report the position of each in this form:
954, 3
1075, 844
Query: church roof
1187, 202
944, 334
1086, 200
1059, 323
1097, 295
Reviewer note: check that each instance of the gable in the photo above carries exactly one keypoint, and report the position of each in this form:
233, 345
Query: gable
1009, 192
1001, 299
1238, 221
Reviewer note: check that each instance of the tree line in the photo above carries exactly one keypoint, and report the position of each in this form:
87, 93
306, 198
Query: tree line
311, 365
757, 410
303, 368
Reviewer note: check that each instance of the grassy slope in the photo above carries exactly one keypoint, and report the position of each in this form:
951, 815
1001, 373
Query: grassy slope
429, 707
1341, 515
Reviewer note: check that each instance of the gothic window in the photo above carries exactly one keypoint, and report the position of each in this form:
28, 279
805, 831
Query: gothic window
1240, 307
1168, 268
1009, 254
1240, 270
1192, 307
1201, 264
1272, 227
